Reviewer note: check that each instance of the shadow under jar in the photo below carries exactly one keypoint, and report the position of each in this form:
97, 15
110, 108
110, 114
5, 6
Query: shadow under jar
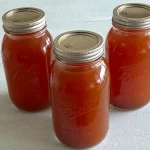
26, 54
80, 89
128, 55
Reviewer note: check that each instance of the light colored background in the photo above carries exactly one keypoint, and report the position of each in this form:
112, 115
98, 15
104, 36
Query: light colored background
129, 130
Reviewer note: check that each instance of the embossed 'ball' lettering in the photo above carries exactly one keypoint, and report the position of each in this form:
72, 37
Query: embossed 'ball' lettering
72, 105
78, 110
93, 104
19, 75
34, 72
68, 111
86, 107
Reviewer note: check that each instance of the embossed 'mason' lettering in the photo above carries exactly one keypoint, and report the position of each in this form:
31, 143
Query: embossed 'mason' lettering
132, 94
72, 110
78, 132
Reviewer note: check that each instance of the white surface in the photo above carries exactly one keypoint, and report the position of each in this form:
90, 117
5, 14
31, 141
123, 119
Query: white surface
129, 130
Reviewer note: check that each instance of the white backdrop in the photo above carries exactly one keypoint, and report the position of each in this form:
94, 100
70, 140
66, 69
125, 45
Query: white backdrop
129, 130
65, 15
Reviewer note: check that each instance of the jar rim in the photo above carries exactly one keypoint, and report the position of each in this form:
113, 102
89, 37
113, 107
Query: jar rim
78, 46
132, 16
24, 20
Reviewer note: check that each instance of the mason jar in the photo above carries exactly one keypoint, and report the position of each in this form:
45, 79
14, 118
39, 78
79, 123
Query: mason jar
27, 58
128, 55
80, 89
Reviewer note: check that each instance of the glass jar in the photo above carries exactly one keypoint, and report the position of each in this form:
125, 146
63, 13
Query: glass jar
26, 54
128, 55
80, 89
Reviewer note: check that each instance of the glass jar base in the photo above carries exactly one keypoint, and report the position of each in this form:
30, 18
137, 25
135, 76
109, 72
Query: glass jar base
32, 110
128, 109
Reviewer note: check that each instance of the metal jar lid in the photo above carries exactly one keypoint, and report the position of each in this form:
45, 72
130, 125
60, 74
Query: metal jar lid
132, 16
78, 46
24, 20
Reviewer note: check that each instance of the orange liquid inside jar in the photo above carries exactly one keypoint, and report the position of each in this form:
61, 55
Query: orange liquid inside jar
80, 91
128, 54
26, 59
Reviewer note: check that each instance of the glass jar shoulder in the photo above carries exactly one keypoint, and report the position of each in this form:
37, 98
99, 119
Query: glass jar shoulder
127, 41
39, 39
116, 34
14, 45
80, 75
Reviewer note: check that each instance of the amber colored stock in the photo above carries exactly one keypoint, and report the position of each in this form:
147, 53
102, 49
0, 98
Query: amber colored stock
80, 102
128, 55
27, 62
